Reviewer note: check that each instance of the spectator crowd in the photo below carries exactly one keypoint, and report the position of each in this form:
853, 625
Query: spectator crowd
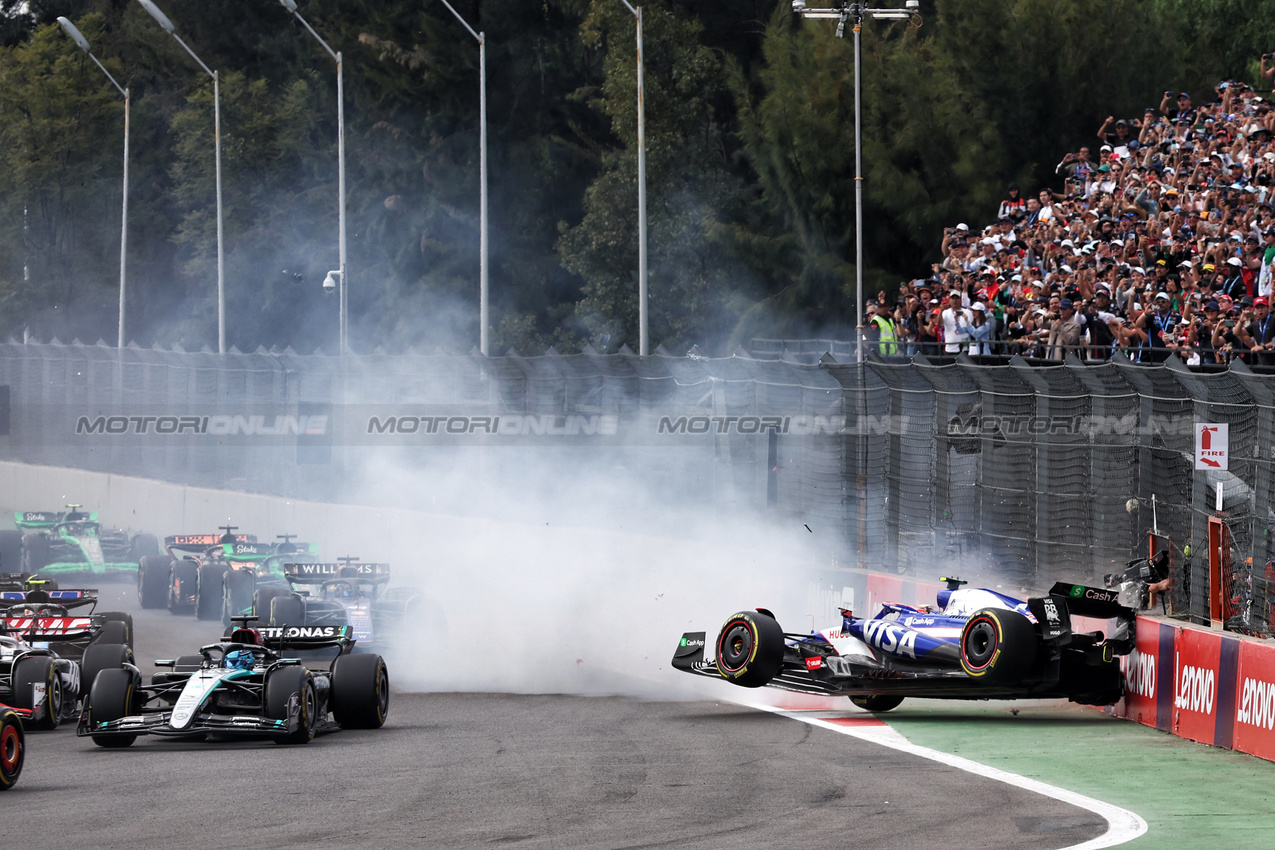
1159, 238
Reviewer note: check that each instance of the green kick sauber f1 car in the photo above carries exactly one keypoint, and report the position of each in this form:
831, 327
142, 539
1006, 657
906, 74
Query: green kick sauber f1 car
51, 544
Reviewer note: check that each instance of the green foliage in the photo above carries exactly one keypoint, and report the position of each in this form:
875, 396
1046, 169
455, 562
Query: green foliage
749, 144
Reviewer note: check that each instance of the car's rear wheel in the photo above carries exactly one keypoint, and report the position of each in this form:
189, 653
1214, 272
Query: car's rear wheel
36, 670
208, 593
113, 695
152, 580
143, 546
99, 657
877, 702
118, 628
750, 649
261, 599
280, 687
287, 611
238, 587
998, 646
13, 748
183, 583
360, 691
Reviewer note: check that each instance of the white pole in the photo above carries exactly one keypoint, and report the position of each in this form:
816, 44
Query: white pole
344, 344
124, 223
643, 336
221, 266
858, 190
484, 291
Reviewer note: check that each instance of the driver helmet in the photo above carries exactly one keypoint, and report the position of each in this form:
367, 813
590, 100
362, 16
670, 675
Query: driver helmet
240, 659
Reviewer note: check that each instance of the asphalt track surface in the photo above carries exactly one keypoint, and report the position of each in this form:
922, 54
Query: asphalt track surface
505, 770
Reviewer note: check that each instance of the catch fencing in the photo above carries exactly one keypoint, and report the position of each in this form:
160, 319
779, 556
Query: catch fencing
1025, 472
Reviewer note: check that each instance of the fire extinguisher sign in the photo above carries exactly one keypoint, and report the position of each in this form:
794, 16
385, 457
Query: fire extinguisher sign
1212, 445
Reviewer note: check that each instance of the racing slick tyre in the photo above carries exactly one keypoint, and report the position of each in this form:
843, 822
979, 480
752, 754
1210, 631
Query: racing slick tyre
280, 687
36, 552
208, 603
360, 691
99, 657
143, 546
261, 599
877, 702
997, 646
13, 748
237, 589
112, 696
10, 551
750, 649
183, 584
152, 580
29, 672
287, 611
118, 628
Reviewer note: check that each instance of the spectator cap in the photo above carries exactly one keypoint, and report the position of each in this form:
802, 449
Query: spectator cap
1065, 304
1234, 261
1163, 295
978, 305
1208, 267
1260, 302
1212, 305
962, 226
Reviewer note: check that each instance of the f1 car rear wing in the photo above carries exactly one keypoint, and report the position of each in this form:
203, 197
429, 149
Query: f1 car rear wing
48, 519
306, 637
317, 573
49, 628
197, 543
247, 551
1096, 602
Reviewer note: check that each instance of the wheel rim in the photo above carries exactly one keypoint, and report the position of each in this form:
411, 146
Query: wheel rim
735, 646
10, 747
980, 642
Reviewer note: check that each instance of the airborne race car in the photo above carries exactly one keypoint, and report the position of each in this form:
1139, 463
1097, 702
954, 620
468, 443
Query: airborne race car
54, 543
243, 687
42, 685
977, 644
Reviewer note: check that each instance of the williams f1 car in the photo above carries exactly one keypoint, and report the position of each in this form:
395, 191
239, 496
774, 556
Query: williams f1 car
49, 651
58, 543
354, 593
243, 686
976, 644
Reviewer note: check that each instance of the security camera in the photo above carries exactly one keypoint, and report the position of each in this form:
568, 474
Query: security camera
799, 6
913, 5
330, 282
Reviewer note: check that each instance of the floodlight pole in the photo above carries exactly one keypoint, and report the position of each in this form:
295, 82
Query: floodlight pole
83, 44
856, 12
483, 289
643, 335
343, 332
167, 26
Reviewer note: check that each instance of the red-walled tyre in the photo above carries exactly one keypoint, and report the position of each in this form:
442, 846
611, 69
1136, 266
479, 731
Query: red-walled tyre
997, 646
750, 649
13, 747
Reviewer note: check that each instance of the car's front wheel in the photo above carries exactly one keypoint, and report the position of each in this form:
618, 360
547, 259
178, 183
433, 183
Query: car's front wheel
13, 748
281, 685
113, 695
750, 649
33, 671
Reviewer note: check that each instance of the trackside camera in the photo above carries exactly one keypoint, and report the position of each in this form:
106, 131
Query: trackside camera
330, 282
799, 6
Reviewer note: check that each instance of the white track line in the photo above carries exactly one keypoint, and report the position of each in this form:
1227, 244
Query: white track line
1122, 824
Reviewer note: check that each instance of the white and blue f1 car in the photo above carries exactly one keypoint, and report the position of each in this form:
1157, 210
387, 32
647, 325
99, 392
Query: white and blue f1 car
243, 686
976, 644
